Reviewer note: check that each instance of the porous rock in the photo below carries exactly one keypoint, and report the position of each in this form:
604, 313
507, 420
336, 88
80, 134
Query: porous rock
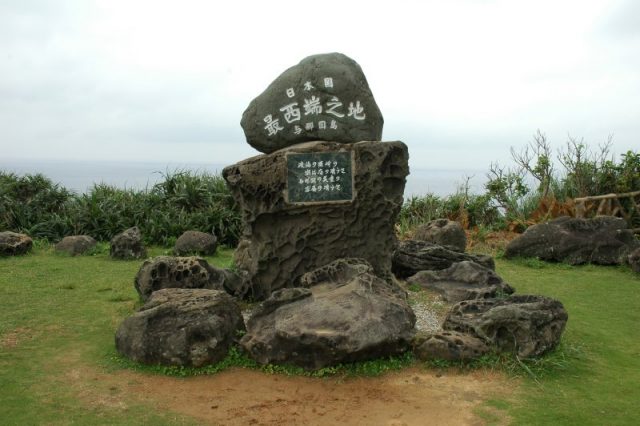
195, 242
324, 97
281, 241
527, 325
76, 244
128, 245
180, 272
182, 327
413, 256
464, 280
444, 232
634, 260
450, 346
14, 244
347, 316
603, 240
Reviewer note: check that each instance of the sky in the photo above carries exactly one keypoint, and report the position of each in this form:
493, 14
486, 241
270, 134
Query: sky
460, 82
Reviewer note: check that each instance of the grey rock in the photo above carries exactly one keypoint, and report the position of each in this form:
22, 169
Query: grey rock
182, 327
128, 245
328, 91
444, 232
76, 244
282, 241
332, 322
634, 260
195, 242
450, 346
604, 240
464, 280
527, 325
412, 256
14, 244
180, 272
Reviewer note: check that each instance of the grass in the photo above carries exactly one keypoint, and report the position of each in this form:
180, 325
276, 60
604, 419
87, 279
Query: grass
58, 312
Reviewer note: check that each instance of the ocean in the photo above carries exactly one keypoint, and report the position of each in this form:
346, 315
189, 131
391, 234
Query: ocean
79, 176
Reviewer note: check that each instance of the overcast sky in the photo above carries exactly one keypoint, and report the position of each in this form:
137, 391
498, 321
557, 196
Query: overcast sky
458, 81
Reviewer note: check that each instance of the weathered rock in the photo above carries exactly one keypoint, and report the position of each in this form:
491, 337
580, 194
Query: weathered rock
634, 260
603, 240
195, 242
412, 256
463, 281
188, 327
524, 324
449, 345
347, 316
128, 245
14, 244
324, 97
180, 272
76, 244
443, 232
282, 240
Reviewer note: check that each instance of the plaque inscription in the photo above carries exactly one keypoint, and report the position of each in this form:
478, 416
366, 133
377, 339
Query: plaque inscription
319, 177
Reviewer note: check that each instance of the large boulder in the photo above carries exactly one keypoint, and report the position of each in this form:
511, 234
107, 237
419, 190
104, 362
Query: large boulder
634, 260
76, 244
604, 240
181, 272
183, 327
128, 245
523, 324
463, 281
283, 239
444, 232
412, 256
347, 314
324, 97
195, 242
450, 346
14, 244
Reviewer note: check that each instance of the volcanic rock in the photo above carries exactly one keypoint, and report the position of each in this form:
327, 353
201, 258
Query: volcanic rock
14, 244
443, 232
128, 245
450, 346
76, 244
634, 260
195, 242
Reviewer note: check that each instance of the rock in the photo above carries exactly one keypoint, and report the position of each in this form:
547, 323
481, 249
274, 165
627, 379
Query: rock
128, 245
524, 324
463, 281
604, 240
348, 316
634, 260
180, 272
183, 327
443, 232
76, 244
14, 244
195, 242
450, 346
282, 240
323, 98
412, 256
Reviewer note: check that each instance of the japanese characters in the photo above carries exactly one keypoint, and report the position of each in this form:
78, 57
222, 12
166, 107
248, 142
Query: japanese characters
322, 176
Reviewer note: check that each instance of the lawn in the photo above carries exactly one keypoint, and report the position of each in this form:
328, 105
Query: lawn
58, 311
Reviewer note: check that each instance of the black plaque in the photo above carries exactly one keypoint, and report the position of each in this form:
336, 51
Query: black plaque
319, 177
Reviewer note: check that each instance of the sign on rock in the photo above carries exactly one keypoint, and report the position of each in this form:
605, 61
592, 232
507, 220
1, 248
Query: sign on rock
319, 177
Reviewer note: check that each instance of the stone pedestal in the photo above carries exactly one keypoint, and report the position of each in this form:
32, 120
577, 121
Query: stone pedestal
290, 228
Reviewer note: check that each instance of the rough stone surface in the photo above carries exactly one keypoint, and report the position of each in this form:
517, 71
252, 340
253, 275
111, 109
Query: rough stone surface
186, 327
412, 256
282, 241
449, 345
524, 324
278, 117
195, 242
14, 244
128, 245
464, 280
444, 232
76, 244
180, 272
346, 315
634, 260
603, 240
